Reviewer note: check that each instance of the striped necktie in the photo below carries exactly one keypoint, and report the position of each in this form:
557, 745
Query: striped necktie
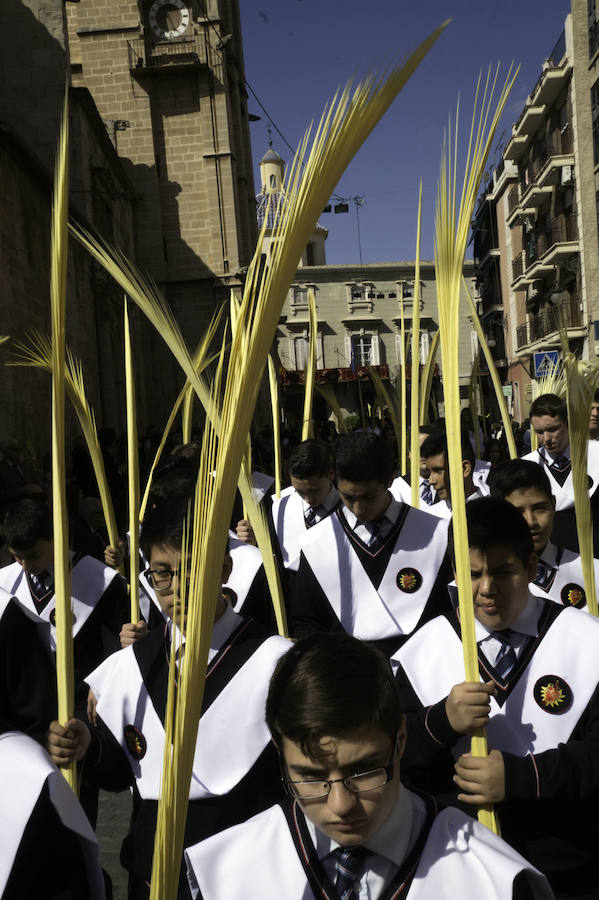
349, 866
506, 658
545, 574
426, 493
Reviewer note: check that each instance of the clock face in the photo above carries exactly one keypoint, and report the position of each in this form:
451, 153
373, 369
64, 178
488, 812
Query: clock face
168, 18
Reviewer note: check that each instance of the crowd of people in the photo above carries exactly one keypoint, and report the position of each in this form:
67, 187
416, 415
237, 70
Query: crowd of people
333, 763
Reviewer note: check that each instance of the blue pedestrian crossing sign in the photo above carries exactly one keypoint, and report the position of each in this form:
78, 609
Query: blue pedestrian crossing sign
545, 362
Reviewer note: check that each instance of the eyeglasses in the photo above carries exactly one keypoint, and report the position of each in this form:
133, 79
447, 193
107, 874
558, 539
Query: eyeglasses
358, 783
162, 579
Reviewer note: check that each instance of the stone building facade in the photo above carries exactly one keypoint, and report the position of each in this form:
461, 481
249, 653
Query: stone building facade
540, 262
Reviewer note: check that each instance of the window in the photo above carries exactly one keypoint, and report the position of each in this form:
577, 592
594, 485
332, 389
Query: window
273, 182
310, 254
361, 346
301, 349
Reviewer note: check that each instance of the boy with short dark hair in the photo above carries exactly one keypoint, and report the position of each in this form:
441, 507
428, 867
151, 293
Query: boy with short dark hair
235, 770
549, 419
559, 576
98, 594
434, 452
349, 828
538, 695
376, 568
310, 498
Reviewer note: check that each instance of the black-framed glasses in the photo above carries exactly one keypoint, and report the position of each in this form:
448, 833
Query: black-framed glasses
161, 579
357, 783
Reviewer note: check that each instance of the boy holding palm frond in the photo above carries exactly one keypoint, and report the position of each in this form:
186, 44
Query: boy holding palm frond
235, 768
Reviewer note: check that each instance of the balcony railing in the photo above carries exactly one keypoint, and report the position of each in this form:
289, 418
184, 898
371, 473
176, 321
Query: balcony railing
144, 54
517, 266
547, 321
513, 198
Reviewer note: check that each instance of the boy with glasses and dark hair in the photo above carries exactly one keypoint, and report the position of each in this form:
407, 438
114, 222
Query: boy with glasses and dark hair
348, 828
235, 770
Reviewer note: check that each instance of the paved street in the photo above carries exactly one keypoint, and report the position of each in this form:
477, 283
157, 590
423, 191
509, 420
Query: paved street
113, 824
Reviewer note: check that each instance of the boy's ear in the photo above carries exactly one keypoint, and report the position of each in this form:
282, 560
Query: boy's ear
466, 468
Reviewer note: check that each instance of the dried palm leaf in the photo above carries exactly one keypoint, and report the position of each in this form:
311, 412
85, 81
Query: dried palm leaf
402, 383
387, 399
472, 400
132, 470
505, 418
427, 378
38, 352
201, 360
276, 422
328, 392
310, 371
60, 524
415, 386
451, 234
344, 126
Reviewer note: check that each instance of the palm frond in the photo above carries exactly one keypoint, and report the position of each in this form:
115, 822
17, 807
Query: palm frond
505, 418
58, 300
276, 422
452, 227
328, 392
310, 370
415, 386
132, 470
37, 352
427, 378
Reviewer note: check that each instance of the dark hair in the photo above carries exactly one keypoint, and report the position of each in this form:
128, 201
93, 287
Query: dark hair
176, 477
436, 443
549, 405
596, 396
493, 522
363, 456
518, 475
331, 684
164, 524
310, 458
27, 521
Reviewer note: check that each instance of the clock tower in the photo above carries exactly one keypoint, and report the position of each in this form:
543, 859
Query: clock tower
168, 79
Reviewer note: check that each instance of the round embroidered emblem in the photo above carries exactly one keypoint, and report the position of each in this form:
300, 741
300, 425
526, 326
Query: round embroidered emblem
573, 595
408, 580
136, 742
553, 694
52, 618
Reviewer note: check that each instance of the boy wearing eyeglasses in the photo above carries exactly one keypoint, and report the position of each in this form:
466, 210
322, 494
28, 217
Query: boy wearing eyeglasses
348, 828
235, 769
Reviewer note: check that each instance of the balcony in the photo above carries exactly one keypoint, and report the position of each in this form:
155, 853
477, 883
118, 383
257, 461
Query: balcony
545, 324
544, 171
172, 55
517, 267
546, 247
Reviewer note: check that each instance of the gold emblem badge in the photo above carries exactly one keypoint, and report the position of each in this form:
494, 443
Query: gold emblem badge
573, 595
408, 580
553, 694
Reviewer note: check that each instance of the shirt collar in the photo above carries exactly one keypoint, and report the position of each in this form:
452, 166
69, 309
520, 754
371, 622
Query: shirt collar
526, 623
391, 513
550, 457
329, 503
394, 839
549, 554
222, 630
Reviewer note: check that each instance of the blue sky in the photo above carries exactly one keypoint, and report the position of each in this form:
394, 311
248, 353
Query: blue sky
298, 51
